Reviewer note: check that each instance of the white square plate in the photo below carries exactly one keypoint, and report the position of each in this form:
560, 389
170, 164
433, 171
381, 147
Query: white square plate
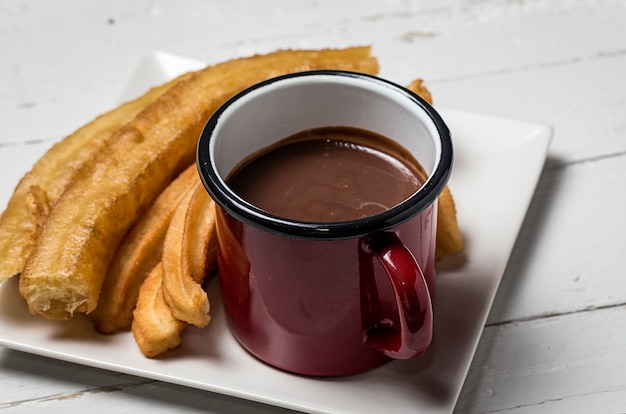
498, 163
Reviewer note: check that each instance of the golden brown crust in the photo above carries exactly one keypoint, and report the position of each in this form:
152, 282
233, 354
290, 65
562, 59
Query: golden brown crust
419, 88
154, 327
449, 238
138, 253
64, 163
189, 255
66, 269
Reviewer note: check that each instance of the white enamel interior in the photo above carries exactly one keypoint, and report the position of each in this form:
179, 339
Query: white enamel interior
280, 109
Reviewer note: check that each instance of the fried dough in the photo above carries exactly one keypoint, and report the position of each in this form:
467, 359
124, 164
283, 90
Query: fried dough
418, 87
139, 252
449, 239
64, 163
154, 327
189, 254
66, 269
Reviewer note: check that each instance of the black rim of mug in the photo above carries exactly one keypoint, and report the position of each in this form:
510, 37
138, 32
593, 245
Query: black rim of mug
252, 215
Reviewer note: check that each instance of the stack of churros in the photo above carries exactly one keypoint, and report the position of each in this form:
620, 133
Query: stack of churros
113, 222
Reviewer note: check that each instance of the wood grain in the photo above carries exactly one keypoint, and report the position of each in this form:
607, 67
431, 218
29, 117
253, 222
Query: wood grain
555, 337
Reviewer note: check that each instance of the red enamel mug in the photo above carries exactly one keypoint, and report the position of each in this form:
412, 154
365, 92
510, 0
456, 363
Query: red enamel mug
326, 299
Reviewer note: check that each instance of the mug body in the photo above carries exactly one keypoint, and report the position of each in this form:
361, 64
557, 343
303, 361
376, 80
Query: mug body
304, 305
326, 299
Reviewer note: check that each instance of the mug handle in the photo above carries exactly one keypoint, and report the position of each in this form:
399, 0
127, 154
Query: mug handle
412, 295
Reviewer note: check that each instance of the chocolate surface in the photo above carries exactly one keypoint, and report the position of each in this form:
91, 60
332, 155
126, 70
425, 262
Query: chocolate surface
327, 175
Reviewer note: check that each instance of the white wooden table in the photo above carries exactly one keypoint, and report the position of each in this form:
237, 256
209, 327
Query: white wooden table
555, 340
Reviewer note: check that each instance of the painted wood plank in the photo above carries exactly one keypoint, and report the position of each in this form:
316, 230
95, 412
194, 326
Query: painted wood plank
555, 338
583, 101
558, 364
442, 43
32, 383
28, 379
571, 252
571, 363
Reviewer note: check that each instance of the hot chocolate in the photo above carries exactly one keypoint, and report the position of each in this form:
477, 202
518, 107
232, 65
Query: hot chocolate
327, 175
